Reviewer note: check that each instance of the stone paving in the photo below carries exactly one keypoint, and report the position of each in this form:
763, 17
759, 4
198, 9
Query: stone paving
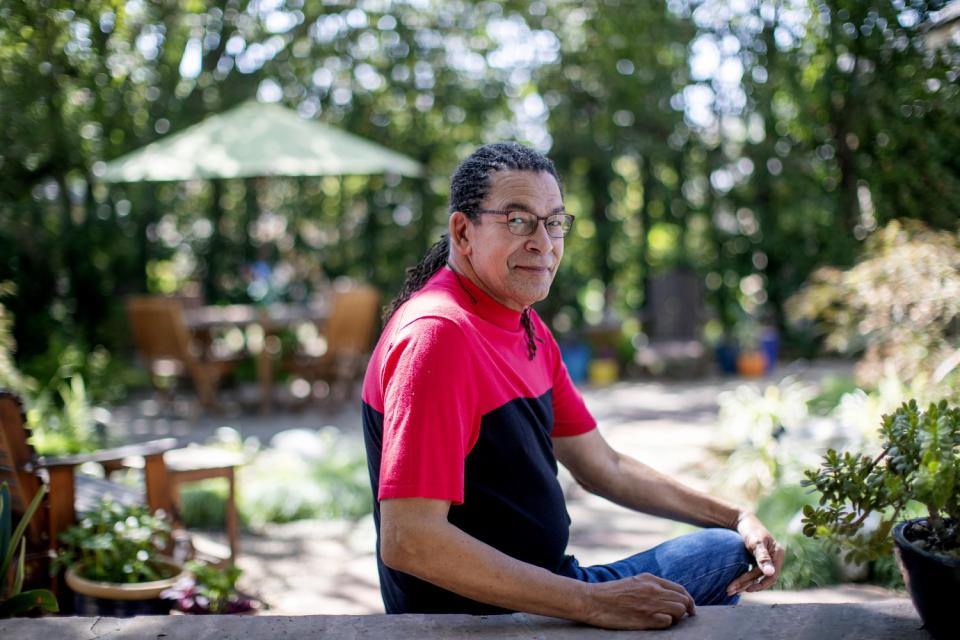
886, 620
324, 567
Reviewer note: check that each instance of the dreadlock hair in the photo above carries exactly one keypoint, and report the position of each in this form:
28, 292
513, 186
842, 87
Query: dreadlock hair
468, 188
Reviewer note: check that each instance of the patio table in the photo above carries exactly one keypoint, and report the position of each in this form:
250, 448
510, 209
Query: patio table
272, 318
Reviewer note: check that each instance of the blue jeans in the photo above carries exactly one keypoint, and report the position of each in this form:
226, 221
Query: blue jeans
704, 562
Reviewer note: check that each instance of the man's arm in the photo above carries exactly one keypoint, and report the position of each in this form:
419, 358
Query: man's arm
417, 538
628, 482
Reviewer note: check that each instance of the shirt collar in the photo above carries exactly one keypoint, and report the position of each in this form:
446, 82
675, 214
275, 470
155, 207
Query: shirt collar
476, 300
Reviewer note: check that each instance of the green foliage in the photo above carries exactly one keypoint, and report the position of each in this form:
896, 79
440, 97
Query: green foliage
898, 304
63, 427
807, 564
319, 474
203, 505
105, 378
919, 461
832, 390
217, 585
762, 434
885, 572
843, 118
117, 543
13, 600
64, 412
10, 376
207, 589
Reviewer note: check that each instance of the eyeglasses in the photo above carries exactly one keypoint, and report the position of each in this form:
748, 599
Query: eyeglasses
524, 223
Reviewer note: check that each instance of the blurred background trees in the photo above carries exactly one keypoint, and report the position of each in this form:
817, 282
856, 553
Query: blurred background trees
750, 142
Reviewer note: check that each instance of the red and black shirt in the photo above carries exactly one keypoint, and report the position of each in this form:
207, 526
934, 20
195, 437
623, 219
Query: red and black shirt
455, 410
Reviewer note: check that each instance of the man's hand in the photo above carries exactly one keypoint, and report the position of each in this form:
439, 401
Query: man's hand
766, 550
640, 602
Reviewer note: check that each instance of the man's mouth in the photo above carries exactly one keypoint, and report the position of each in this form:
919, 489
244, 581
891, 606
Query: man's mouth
532, 268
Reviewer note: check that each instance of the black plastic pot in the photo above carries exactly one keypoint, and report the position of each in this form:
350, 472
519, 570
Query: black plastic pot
932, 580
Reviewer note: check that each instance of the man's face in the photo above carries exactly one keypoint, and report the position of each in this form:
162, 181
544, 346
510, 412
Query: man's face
515, 270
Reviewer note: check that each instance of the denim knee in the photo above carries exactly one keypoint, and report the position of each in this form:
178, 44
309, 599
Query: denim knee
726, 542
720, 558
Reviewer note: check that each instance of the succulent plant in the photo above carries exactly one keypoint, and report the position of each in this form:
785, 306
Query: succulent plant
919, 462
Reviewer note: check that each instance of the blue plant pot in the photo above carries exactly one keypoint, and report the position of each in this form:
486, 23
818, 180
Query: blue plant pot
576, 355
770, 346
726, 354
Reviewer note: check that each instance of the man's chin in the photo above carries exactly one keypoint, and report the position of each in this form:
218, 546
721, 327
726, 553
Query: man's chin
534, 297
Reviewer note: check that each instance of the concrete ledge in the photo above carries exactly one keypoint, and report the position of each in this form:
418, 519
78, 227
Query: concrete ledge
894, 619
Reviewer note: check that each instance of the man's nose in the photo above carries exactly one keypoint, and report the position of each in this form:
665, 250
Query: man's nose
539, 241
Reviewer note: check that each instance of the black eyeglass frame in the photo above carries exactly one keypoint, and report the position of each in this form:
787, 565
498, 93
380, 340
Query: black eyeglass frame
567, 217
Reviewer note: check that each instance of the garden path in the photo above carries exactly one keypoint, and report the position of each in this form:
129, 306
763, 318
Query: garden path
328, 567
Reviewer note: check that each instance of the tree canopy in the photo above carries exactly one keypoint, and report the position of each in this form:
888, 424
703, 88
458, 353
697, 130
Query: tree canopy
749, 142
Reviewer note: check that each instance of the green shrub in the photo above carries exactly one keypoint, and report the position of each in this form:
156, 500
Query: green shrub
807, 564
64, 426
116, 543
885, 572
317, 474
898, 307
919, 461
832, 390
203, 505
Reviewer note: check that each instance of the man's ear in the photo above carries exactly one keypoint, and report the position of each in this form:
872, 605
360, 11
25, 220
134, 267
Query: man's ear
460, 228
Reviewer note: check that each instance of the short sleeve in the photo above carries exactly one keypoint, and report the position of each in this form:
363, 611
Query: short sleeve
430, 417
570, 414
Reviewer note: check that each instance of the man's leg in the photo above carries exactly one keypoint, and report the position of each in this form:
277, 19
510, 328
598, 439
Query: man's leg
704, 562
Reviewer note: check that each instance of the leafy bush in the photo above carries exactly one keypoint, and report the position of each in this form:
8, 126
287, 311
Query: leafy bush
304, 474
10, 376
832, 391
117, 543
807, 563
66, 426
759, 434
203, 505
208, 589
106, 378
61, 414
919, 461
899, 305
327, 482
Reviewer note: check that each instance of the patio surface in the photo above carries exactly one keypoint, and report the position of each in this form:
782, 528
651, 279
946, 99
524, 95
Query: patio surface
328, 567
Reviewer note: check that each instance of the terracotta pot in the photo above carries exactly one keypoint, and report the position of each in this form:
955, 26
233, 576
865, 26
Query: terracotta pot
752, 364
93, 597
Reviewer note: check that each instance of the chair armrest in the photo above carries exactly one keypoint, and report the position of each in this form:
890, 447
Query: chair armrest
152, 448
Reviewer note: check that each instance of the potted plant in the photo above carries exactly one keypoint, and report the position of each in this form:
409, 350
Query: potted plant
918, 463
114, 562
14, 601
756, 351
208, 589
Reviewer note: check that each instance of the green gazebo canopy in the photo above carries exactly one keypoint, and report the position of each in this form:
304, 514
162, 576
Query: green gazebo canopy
253, 140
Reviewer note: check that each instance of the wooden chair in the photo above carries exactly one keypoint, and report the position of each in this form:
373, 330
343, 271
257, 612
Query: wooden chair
71, 494
349, 333
167, 348
68, 494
